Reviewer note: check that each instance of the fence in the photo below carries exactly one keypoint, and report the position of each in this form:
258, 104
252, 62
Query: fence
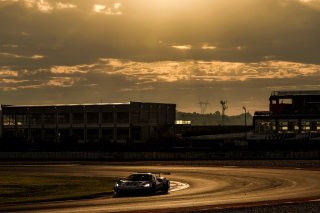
126, 156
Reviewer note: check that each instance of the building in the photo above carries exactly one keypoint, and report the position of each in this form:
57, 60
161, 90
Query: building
292, 115
103, 122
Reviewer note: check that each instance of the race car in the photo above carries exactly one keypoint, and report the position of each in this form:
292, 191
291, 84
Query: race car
142, 183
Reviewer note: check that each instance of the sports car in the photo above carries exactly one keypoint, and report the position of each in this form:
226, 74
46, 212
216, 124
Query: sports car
142, 183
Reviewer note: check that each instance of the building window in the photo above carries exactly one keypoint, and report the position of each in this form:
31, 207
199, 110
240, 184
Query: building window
293, 126
22, 133
283, 126
8, 120
285, 101
313, 126
153, 116
107, 117
35, 119
49, 118
21, 120
144, 116
78, 134
63, 118
136, 116
63, 135
92, 117
107, 134
136, 133
265, 126
78, 118
310, 126
8, 133
122, 133
50, 135
305, 126
122, 117
92, 135
35, 134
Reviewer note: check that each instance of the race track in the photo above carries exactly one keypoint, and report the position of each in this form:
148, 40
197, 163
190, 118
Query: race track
208, 186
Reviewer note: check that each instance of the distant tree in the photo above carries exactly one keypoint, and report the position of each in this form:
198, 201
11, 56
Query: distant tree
217, 113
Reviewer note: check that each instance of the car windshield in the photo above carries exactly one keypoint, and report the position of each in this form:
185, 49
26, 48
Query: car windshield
140, 177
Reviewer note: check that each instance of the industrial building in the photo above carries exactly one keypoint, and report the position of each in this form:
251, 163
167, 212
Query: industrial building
132, 122
292, 115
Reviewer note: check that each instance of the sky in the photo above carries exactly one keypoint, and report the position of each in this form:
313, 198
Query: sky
172, 51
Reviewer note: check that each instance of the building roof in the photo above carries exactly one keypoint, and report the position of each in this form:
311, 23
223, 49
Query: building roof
84, 104
296, 93
53, 105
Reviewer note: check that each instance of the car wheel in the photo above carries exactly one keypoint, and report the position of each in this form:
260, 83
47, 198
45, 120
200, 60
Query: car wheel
166, 187
153, 190
115, 194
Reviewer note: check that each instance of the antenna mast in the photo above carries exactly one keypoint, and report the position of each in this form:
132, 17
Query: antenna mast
224, 107
203, 106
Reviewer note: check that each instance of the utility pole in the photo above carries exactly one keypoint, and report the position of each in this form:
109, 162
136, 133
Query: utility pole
245, 116
245, 119
224, 107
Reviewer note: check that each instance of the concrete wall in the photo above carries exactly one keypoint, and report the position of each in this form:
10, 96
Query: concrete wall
124, 156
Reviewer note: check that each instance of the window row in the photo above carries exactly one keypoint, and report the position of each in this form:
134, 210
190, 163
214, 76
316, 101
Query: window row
287, 126
62, 134
65, 118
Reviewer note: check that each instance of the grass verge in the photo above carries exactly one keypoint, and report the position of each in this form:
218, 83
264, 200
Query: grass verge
23, 189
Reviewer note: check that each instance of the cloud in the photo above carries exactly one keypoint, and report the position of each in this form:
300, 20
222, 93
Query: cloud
212, 71
70, 69
182, 47
60, 5
108, 10
8, 73
258, 30
42, 5
117, 80
62, 82
11, 81
10, 45
36, 57
208, 47
315, 4
12, 55
144, 74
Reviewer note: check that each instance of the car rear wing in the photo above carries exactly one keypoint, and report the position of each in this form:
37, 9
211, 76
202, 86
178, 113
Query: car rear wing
157, 173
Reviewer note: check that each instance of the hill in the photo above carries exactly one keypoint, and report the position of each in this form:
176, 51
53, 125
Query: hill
215, 119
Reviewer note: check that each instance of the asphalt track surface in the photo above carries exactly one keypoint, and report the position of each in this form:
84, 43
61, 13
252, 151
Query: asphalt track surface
209, 187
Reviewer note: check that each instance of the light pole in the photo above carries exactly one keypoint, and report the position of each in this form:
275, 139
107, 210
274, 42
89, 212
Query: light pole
245, 119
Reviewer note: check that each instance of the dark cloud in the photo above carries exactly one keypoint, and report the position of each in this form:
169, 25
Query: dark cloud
287, 30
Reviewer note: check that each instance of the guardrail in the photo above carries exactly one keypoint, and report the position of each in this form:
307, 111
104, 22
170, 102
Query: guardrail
126, 156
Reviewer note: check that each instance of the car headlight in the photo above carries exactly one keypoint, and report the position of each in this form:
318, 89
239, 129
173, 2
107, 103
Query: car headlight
117, 184
147, 185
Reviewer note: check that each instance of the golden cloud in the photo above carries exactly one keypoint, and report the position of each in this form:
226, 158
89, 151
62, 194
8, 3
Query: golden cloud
8, 73
170, 71
108, 10
62, 81
182, 47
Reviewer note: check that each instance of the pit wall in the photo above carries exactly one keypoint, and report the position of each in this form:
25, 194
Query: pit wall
124, 156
